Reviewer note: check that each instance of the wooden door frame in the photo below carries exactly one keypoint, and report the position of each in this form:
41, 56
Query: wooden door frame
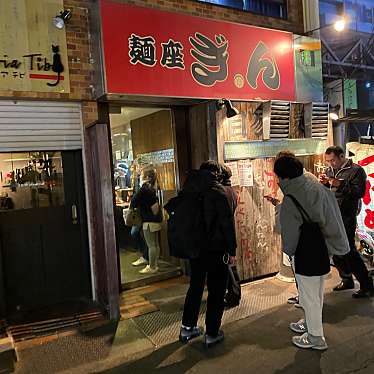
103, 245
2, 289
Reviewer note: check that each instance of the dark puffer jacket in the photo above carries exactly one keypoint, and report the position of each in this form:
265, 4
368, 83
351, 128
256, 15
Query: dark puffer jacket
351, 190
218, 214
144, 199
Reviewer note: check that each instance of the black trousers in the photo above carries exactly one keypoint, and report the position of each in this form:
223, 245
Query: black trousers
352, 263
208, 267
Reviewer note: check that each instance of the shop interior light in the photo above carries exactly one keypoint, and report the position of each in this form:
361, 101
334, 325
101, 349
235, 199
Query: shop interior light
230, 110
60, 20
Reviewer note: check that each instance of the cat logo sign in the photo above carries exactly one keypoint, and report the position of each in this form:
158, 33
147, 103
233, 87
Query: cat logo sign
32, 58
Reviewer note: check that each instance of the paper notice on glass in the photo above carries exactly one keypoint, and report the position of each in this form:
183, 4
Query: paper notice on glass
245, 173
235, 180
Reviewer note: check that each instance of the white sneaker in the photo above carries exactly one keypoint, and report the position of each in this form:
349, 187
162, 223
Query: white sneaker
308, 341
148, 270
139, 261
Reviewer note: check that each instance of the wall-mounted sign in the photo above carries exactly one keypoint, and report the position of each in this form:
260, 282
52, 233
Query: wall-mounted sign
245, 173
237, 127
235, 180
33, 53
157, 157
350, 94
308, 69
269, 148
364, 156
151, 52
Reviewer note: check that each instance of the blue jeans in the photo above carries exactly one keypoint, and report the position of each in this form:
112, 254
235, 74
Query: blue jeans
140, 244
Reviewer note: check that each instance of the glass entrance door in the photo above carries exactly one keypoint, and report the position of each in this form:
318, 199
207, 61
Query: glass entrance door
142, 141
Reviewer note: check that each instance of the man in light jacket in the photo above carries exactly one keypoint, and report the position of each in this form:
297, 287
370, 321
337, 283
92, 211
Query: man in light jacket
322, 208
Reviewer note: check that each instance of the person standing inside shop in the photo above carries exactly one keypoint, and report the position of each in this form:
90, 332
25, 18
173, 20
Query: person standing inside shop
348, 181
311, 229
136, 231
219, 248
150, 211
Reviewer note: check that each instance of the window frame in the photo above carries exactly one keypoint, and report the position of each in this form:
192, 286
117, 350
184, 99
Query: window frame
285, 18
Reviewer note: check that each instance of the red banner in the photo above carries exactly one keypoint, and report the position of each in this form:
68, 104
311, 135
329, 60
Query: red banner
151, 52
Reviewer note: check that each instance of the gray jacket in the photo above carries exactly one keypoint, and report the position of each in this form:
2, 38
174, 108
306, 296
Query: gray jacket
322, 208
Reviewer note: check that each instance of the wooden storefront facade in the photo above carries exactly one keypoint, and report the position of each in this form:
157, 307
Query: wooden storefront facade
201, 130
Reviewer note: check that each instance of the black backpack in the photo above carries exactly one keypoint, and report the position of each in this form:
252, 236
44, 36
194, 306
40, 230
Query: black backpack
187, 234
311, 256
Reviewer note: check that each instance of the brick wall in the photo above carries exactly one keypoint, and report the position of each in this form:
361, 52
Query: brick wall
191, 7
80, 66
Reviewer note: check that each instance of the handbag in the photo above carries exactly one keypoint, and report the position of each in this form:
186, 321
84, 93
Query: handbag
234, 292
157, 212
132, 217
311, 256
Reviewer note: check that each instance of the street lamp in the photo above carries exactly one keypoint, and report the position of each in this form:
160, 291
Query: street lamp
339, 25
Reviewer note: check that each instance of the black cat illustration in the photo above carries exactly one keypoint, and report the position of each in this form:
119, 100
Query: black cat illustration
57, 65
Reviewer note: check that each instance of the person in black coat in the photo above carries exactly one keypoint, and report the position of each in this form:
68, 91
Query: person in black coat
210, 265
232, 297
150, 211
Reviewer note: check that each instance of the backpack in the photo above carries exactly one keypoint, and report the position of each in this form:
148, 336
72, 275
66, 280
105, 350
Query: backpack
186, 228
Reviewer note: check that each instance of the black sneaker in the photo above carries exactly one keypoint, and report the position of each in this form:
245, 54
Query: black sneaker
188, 333
361, 294
344, 285
209, 340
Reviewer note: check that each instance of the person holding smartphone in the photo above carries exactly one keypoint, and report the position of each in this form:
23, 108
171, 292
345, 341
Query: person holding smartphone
348, 181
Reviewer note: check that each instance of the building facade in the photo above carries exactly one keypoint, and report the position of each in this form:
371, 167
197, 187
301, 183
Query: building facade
134, 85
46, 99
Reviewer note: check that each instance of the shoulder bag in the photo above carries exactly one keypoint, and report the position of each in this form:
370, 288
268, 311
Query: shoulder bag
311, 256
132, 217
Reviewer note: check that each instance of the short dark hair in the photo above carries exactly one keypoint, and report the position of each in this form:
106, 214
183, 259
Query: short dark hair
336, 150
226, 173
285, 152
288, 167
212, 166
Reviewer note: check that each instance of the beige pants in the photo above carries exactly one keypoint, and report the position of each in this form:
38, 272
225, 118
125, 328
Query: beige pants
311, 299
151, 238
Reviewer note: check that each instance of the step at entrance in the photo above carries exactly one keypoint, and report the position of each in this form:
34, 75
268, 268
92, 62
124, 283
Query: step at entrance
22, 332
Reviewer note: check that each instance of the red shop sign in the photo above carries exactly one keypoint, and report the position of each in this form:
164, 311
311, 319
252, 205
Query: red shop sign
151, 52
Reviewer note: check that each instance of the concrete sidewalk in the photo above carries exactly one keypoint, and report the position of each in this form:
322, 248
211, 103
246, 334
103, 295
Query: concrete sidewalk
259, 343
